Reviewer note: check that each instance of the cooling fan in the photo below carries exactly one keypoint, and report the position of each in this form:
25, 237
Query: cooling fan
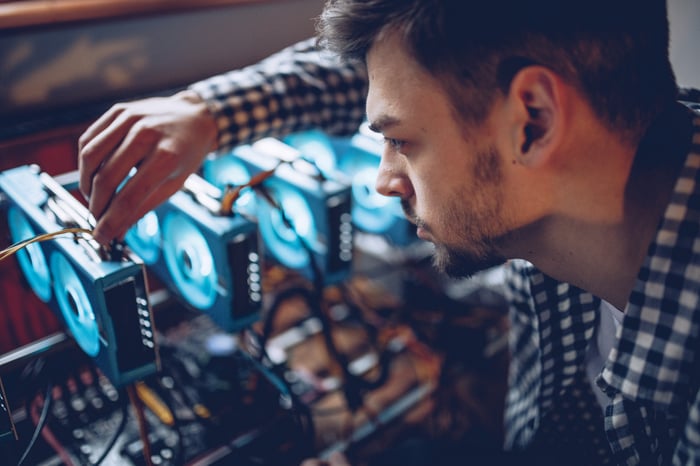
358, 159
227, 171
102, 301
314, 145
209, 260
307, 209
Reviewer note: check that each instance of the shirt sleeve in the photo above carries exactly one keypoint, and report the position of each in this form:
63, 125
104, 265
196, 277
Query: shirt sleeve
300, 87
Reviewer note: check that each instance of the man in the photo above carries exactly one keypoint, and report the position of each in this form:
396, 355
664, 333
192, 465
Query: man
545, 131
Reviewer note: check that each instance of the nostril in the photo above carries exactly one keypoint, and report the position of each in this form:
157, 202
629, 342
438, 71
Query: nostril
394, 184
387, 189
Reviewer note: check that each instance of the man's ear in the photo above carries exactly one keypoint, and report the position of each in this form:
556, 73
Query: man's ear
535, 95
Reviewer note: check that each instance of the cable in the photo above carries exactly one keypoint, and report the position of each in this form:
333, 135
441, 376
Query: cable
141, 418
40, 424
279, 299
354, 385
5, 253
183, 385
232, 192
177, 422
115, 437
304, 416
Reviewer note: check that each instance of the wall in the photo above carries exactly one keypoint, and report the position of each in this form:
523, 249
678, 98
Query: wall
68, 65
54, 81
64, 67
684, 19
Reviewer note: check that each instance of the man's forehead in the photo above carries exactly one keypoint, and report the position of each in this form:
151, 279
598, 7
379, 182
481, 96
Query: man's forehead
396, 83
390, 68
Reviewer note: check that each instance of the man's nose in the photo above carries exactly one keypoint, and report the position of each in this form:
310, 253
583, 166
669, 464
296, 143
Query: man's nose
392, 179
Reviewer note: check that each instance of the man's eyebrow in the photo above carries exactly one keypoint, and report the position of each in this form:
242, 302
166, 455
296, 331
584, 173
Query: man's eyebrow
383, 122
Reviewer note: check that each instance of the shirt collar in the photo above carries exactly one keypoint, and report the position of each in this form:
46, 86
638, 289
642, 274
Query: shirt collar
652, 361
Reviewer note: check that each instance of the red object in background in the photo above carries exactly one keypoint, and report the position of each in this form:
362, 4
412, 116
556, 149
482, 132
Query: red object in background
24, 318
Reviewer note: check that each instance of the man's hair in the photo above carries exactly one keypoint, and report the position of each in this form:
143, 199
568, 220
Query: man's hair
615, 52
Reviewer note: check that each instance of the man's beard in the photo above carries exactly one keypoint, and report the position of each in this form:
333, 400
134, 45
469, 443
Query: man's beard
476, 231
462, 264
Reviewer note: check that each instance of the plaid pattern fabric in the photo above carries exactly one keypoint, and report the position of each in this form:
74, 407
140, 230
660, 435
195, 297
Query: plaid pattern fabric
295, 89
653, 371
551, 409
651, 375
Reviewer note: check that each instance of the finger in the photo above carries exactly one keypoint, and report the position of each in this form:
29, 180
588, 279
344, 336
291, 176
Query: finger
117, 220
95, 150
99, 125
139, 145
88, 161
141, 194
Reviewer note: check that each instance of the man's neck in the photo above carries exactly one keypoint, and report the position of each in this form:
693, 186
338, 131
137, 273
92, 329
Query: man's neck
600, 239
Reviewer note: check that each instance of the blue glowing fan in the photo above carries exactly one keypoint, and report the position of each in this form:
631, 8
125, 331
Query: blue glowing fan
74, 303
372, 212
189, 260
317, 147
285, 240
145, 238
102, 303
210, 261
317, 208
31, 258
357, 158
225, 172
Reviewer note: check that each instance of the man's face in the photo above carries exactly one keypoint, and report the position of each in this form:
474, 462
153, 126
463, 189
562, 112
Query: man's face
450, 185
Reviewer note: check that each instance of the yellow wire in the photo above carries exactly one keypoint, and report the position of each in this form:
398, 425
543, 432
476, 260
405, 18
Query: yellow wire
5, 253
232, 193
141, 421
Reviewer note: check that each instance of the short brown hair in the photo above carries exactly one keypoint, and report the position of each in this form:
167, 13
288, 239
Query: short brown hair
614, 51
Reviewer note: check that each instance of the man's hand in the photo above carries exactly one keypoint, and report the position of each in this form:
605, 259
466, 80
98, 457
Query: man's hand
336, 459
165, 138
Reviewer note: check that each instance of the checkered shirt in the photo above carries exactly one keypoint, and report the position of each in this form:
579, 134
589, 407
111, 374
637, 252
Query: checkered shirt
650, 376
295, 89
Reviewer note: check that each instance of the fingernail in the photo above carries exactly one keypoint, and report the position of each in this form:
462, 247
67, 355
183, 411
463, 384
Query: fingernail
97, 235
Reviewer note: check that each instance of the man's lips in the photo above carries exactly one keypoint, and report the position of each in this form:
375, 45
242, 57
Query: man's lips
421, 231
408, 212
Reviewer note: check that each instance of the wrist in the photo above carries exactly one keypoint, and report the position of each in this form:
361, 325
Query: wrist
203, 112
188, 95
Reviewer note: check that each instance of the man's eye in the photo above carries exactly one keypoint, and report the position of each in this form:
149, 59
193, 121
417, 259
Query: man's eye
396, 144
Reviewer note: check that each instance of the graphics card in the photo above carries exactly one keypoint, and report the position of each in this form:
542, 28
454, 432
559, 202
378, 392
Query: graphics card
209, 259
303, 215
102, 301
357, 158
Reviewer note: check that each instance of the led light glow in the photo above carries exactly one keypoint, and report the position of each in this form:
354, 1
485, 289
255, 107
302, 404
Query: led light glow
189, 260
226, 171
281, 241
31, 258
75, 305
371, 211
144, 238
